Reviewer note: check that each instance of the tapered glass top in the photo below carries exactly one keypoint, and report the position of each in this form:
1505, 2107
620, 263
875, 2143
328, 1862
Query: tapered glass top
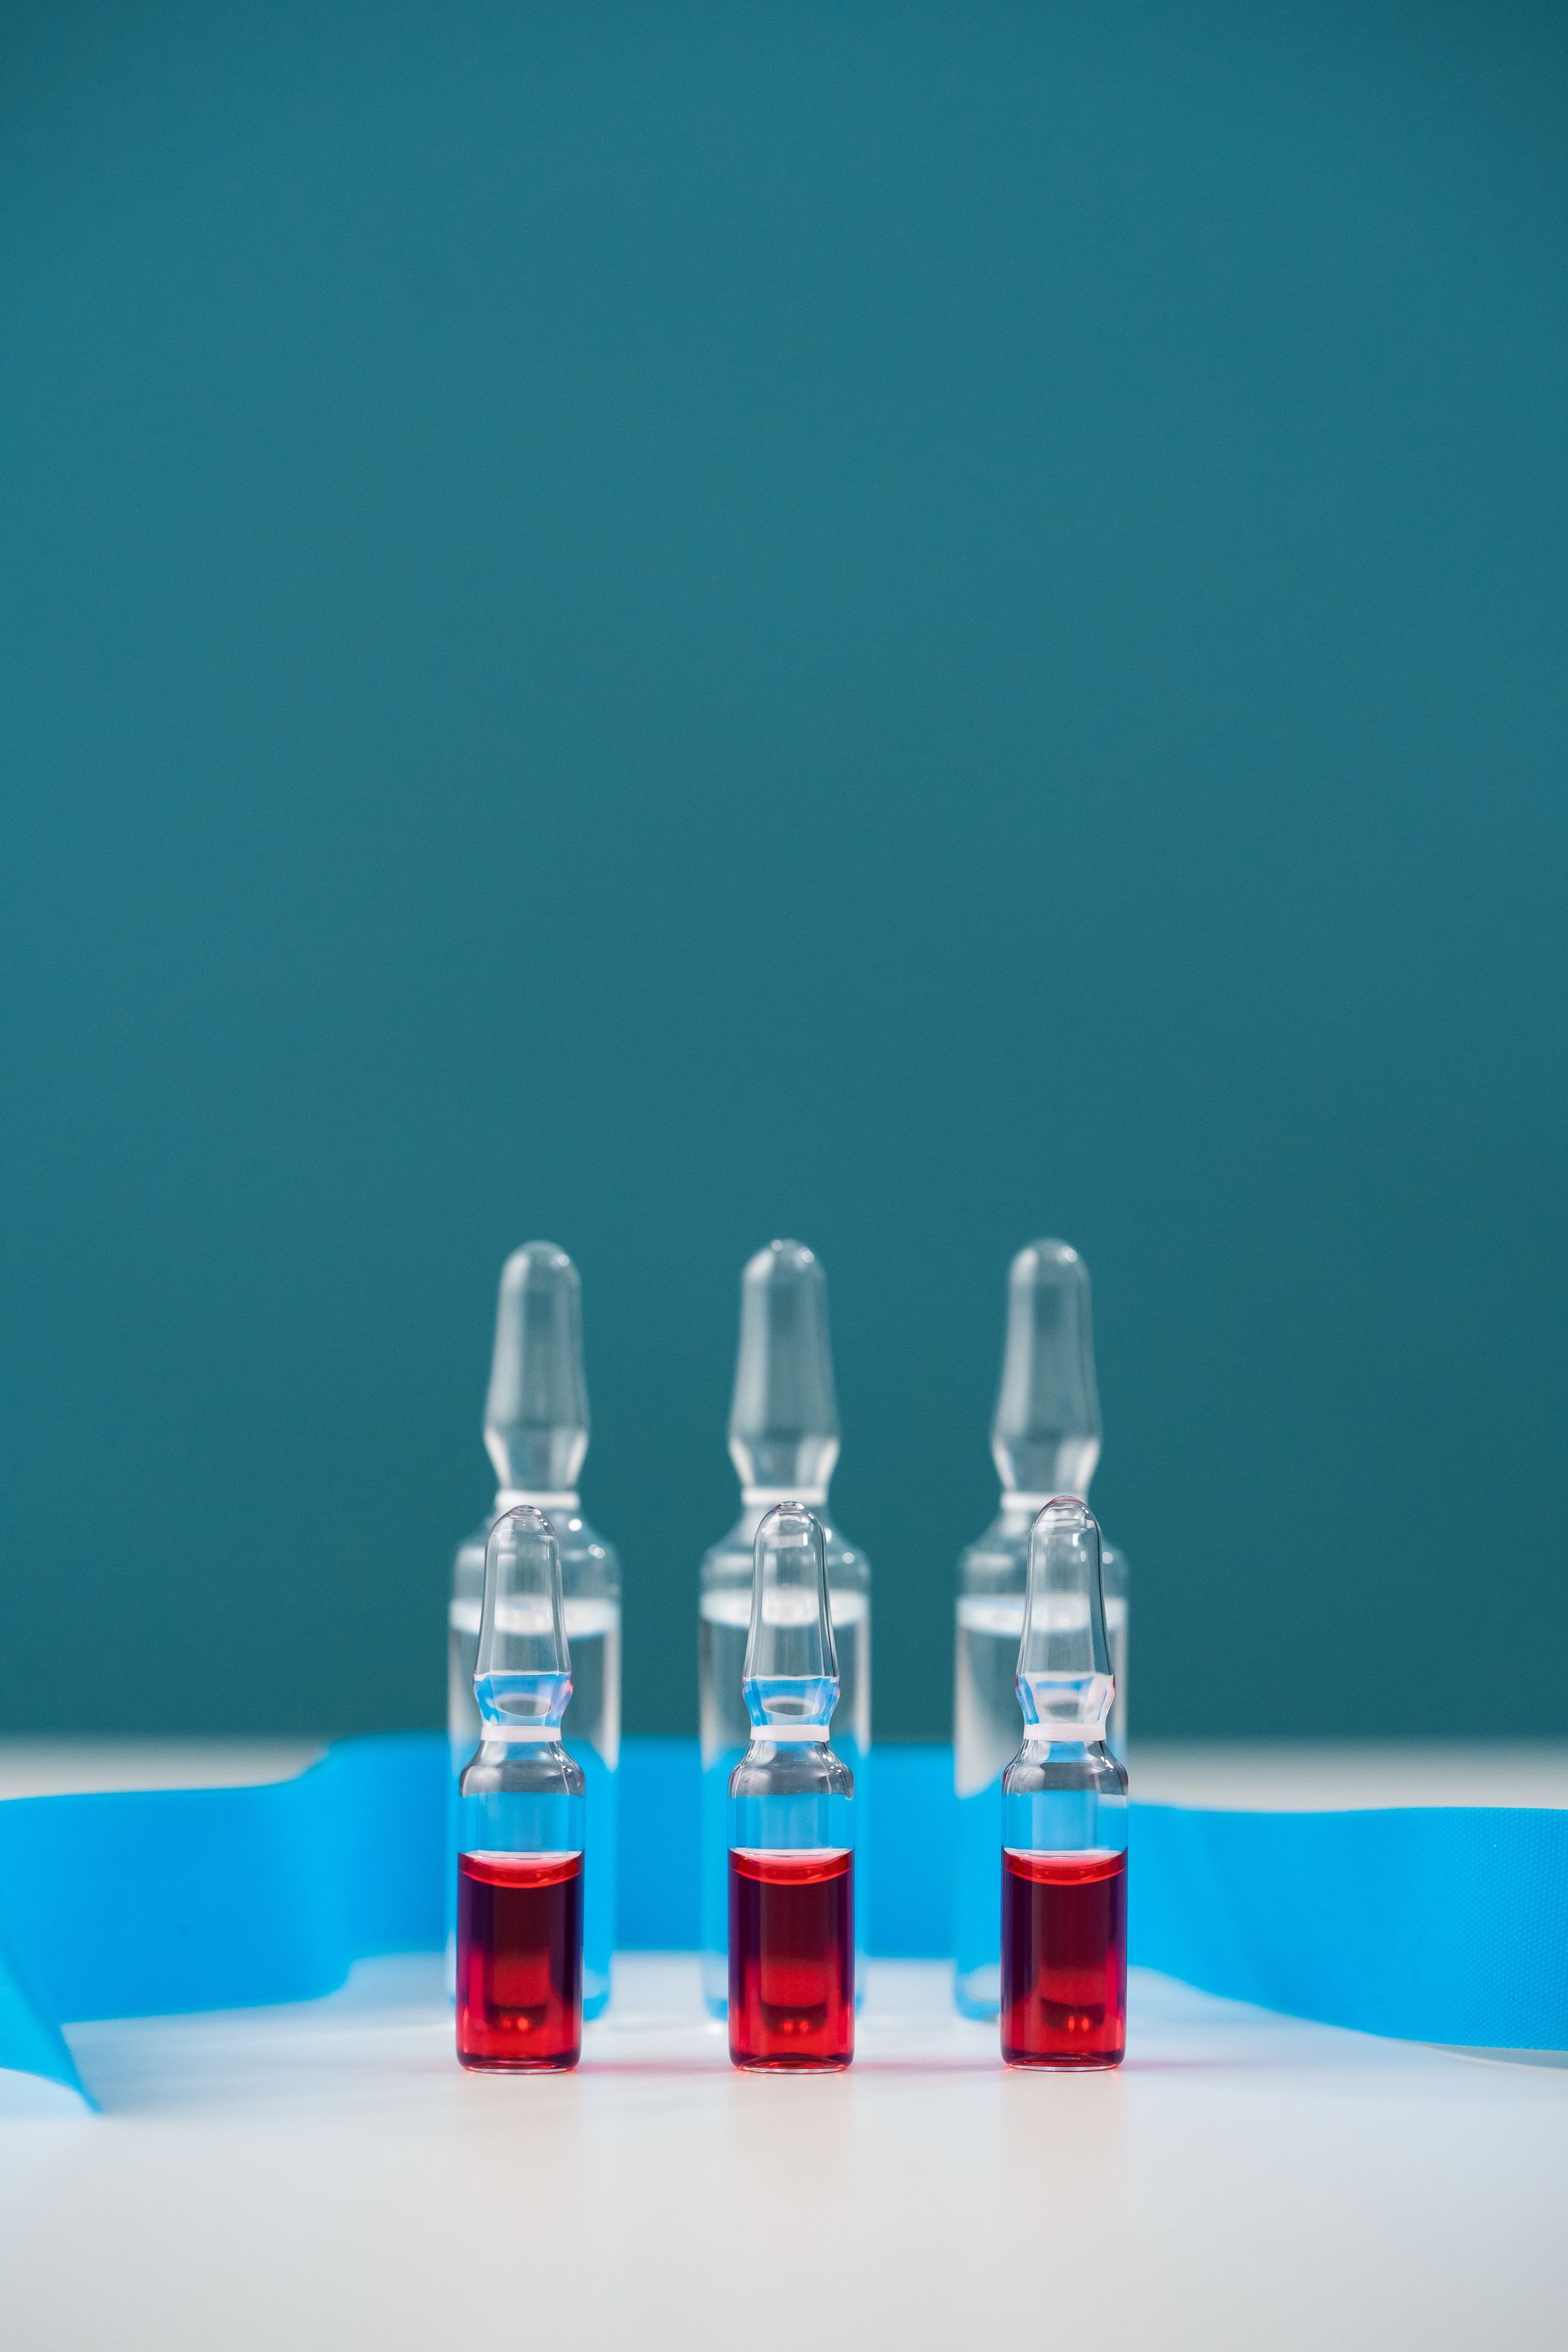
784, 1419
536, 1414
792, 1666
1044, 1436
523, 1673
1065, 1683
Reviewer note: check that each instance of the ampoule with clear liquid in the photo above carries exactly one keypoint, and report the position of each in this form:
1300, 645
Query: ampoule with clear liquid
520, 1875
791, 1841
1064, 1816
783, 1442
1045, 1441
536, 1434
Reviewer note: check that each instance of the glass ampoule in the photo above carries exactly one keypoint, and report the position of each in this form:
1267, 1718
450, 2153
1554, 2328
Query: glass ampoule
783, 1442
536, 1433
790, 1848
1045, 1441
1064, 1816
519, 1874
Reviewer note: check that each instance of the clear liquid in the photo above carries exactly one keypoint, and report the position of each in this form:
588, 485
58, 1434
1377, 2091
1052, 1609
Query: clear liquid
590, 1731
987, 1732
723, 1625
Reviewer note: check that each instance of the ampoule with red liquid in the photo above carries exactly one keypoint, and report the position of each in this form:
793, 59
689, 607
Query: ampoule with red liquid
791, 1842
1063, 1814
520, 1805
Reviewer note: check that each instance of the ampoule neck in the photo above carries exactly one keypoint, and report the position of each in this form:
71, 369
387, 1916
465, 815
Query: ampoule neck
535, 1739
564, 1500
1088, 1742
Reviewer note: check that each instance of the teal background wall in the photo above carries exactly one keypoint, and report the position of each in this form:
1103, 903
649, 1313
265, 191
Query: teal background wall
658, 624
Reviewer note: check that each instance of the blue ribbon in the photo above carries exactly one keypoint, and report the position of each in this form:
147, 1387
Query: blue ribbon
149, 1904
1438, 1924
1428, 1923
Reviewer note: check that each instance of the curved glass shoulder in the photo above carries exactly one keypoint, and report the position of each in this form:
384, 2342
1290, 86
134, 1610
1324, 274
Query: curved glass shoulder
521, 1800
792, 1798
1064, 1798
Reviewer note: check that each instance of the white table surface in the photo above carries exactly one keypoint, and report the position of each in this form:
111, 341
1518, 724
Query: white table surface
325, 2175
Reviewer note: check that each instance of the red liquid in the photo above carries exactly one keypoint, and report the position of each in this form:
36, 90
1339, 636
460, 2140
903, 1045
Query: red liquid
520, 1961
792, 1959
1064, 1958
